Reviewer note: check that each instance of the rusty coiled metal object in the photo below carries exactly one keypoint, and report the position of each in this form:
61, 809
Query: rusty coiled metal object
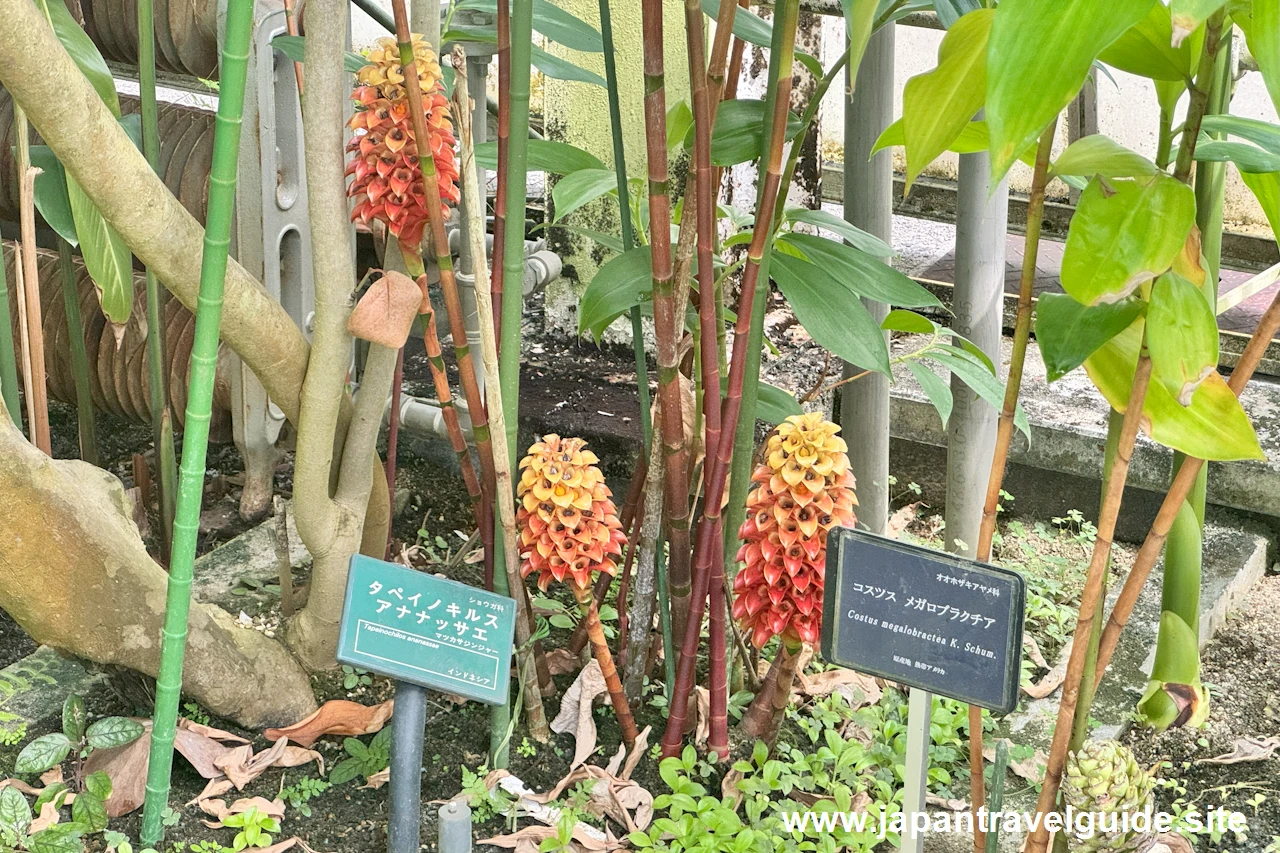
186, 32
186, 154
118, 376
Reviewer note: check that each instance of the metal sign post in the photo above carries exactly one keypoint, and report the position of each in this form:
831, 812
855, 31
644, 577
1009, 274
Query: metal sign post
938, 623
424, 632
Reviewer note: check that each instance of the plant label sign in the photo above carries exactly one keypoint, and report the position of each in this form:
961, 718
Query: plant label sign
429, 631
923, 618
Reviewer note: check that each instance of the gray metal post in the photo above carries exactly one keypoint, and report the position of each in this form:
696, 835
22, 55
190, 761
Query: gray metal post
455, 827
916, 773
868, 204
407, 724
982, 219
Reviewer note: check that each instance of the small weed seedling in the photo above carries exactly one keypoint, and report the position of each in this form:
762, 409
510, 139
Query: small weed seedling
353, 677
364, 760
302, 791
255, 828
193, 712
527, 749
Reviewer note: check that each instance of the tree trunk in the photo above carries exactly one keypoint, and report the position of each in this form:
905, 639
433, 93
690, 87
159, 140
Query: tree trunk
75, 575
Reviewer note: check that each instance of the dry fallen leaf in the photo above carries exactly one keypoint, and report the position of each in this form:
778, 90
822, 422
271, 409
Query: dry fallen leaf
702, 728
944, 803
1032, 769
219, 810
857, 689
1053, 679
526, 840
637, 752
575, 712
1168, 842
377, 780
385, 314
900, 520
562, 661
1247, 749
215, 788
335, 717
1033, 651
209, 731
47, 818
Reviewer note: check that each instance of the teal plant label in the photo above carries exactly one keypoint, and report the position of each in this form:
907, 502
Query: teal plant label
923, 618
426, 630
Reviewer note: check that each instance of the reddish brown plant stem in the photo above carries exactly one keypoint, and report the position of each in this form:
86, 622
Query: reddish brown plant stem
291, 27
708, 548
666, 322
37, 391
600, 650
624, 584
764, 714
393, 437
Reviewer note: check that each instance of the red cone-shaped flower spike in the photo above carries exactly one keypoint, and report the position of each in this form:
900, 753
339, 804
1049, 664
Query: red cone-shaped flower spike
386, 183
569, 527
803, 489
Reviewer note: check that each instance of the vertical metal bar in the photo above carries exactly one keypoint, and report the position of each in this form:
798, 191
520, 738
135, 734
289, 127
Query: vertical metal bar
407, 724
868, 204
916, 774
982, 220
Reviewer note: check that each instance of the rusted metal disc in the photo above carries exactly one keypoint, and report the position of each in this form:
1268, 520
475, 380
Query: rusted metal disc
94, 324
103, 368
136, 362
178, 368
166, 51
53, 318
181, 152
196, 174
128, 11
172, 319
170, 126
8, 164
193, 31
108, 27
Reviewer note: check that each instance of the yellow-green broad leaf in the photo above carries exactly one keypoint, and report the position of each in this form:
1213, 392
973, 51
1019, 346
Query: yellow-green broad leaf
1182, 336
1100, 155
106, 256
1266, 189
1187, 15
939, 104
1213, 427
973, 137
1069, 332
1146, 49
1038, 56
1124, 234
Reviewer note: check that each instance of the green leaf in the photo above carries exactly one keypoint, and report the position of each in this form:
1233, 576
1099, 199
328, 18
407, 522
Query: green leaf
74, 718
859, 239
679, 124
973, 137
295, 48
612, 242
1214, 427
1146, 49
553, 22
89, 811
858, 272
560, 620
950, 11
1182, 336
1177, 662
831, 313
620, 283
59, 838
859, 21
1069, 332
545, 155
15, 813
54, 793
563, 69
899, 320
578, 188
938, 391
1124, 234
1039, 55
98, 784
105, 255
110, 732
737, 135
753, 29
773, 405
1100, 155
939, 104
51, 193
1265, 187
344, 771
980, 379
83, 52
1264, 43
1261, 133
1187, 15
1247, 158
41, 754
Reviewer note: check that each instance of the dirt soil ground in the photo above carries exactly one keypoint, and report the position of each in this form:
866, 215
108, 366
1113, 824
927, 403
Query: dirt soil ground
1242, 668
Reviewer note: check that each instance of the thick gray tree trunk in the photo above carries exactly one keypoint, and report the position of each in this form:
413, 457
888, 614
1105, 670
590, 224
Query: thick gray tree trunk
982, 219
868, 204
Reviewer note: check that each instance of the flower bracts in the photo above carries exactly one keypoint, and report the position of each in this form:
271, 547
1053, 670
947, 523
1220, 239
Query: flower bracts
569, 527
803, 489
388, 186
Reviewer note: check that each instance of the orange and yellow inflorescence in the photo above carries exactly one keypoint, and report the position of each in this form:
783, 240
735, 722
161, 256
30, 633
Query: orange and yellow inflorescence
569, 527
803, 489
387, 183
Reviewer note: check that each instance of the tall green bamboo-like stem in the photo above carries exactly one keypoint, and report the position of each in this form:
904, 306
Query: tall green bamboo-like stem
466, 371
500, 719
709, 546
624, 216
157, 364
705, 101
1183, 483
666, 321
504, 135
204, 363
1183, 555
1081, 652
517, 174
33, 328
79, 358
8, 355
